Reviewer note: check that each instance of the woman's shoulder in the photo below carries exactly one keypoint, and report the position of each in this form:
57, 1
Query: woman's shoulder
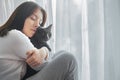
15, 32
17, 35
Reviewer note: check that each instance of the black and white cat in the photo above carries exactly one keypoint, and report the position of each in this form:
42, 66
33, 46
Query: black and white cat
41, 37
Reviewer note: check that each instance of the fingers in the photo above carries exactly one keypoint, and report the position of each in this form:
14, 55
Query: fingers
35, 57
30, 60
35, 64
33, 61
29, 53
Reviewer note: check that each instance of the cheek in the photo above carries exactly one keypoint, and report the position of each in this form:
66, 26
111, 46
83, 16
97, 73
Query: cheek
29, 22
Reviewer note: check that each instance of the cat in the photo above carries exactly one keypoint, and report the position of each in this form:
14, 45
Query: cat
41, 37
39, 40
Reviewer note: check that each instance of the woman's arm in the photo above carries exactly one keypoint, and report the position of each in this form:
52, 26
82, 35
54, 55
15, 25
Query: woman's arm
23, 45
36, 56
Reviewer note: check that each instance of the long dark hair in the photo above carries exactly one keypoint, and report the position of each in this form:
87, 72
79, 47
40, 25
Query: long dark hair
17, 19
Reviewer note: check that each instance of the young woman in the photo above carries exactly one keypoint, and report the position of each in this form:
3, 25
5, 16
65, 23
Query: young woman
16, 49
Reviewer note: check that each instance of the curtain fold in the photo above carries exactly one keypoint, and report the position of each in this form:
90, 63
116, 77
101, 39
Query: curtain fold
6, 8
96, 38
112, 40
68, 28
85, 74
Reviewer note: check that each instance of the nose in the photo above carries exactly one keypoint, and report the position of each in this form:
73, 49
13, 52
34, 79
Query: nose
37, 24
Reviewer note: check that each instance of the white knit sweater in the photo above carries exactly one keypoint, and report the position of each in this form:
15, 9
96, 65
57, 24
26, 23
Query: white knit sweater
13, 48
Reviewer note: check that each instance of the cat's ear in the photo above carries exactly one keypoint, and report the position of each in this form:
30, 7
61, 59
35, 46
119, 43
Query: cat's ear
49, 27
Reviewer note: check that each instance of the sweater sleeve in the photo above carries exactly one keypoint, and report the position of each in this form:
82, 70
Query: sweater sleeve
22, 44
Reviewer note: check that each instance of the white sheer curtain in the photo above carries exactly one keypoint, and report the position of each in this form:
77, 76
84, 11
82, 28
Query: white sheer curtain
5, 10
68, 28
89, 29
104, 45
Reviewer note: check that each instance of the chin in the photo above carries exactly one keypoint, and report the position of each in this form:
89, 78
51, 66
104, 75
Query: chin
29, 36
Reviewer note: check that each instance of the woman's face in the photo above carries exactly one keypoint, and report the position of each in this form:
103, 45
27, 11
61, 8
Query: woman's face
32, 22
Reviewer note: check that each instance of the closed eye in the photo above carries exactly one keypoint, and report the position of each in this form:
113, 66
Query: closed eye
33, 18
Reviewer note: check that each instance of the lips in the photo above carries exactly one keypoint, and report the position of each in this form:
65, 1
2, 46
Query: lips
33, 31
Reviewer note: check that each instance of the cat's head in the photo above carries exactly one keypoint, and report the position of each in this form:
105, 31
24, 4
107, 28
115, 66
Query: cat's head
43, 34
41, 37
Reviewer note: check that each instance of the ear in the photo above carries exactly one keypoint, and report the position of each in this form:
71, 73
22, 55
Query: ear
49, 27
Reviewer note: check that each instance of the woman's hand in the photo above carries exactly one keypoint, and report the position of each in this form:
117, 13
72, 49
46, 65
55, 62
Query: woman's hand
36, 57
